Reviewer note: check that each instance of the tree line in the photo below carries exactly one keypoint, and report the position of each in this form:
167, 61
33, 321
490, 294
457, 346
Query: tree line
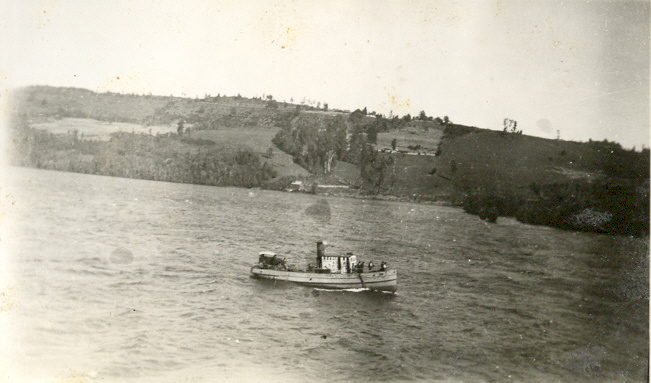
318, 142
169, 157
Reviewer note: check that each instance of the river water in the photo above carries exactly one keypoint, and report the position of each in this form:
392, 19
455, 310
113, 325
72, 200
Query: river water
119, 280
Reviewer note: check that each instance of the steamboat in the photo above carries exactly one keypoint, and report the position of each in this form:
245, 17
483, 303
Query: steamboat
330, 272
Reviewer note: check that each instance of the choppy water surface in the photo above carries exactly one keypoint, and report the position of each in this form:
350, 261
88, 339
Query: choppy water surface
128, 280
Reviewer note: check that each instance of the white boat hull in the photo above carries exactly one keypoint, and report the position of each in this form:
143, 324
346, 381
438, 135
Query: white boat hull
375, 280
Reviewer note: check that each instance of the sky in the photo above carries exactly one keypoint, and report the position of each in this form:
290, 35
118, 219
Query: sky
576, 69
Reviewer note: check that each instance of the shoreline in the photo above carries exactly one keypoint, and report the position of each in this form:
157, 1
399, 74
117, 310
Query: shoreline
595, 186
358, 196
384, 197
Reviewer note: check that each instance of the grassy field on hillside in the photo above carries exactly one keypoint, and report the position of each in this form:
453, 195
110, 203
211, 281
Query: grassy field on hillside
43, 102
415, 178
257, 140
230, 123
426, 140
491, 159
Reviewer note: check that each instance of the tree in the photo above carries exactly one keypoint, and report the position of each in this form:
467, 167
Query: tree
371, 131
510, 126
422, 115
376, 167
357, 116
394, 144
180, 127
325, 106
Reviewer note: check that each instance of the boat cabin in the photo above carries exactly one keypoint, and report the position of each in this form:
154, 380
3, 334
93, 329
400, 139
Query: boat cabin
335, 263
339, 263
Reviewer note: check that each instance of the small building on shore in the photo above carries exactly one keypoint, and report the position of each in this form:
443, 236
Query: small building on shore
297, 186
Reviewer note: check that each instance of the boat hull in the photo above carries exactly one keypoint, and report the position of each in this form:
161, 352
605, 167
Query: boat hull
375, 280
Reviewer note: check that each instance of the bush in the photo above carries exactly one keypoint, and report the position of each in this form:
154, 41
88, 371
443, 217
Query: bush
454, 131
490, 203
608, 206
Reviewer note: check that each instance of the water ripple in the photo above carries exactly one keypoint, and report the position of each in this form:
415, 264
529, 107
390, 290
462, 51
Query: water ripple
149, 281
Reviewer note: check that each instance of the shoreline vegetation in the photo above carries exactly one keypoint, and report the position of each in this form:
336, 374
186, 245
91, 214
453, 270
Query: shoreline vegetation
260, 142
130, 155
